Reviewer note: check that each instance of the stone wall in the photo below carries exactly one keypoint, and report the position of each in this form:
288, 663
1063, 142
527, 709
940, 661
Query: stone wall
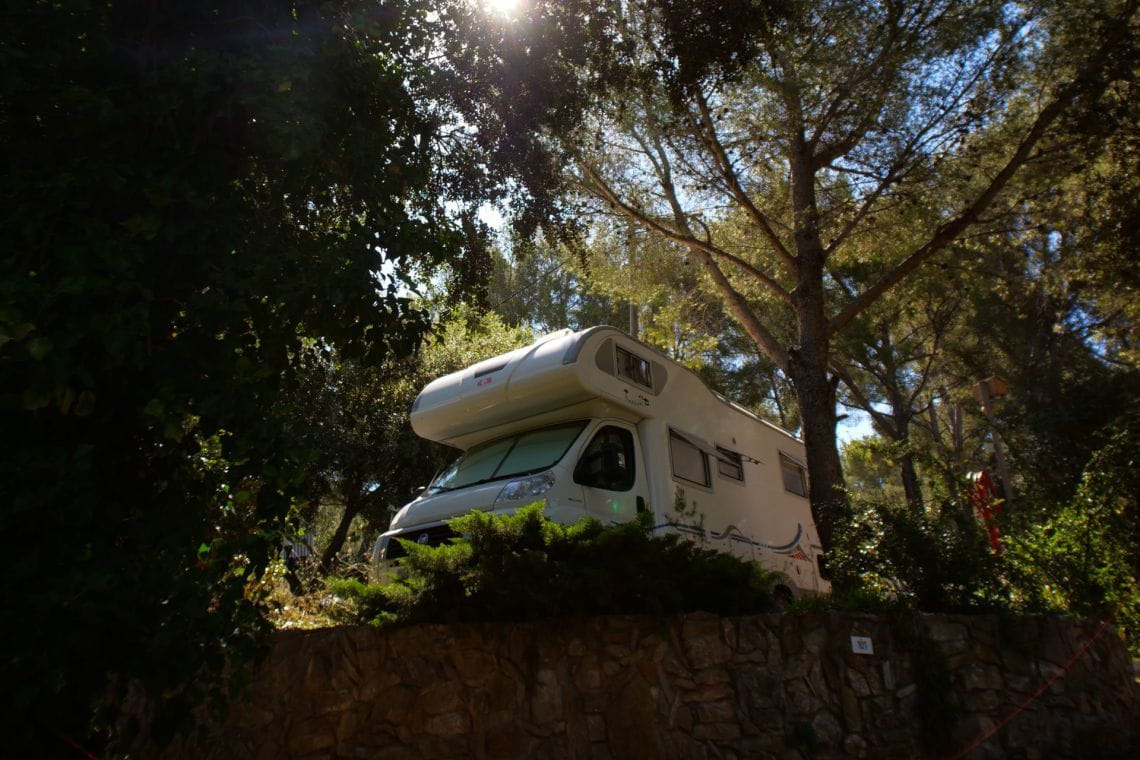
697, 686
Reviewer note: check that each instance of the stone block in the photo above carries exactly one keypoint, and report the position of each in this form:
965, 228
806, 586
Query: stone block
717, 732
442, 697
1019, 683
681, 683
971, 728
312, 735
615, 628
706, 649
448, 724
827, 730
546, 697
799, 699
983, 701
681, 717
858, 683
502, 692
624, 688
681, 745
757, 689
601, 751
715, 712
508, 742
855, 745
709, 693
817, 676
631, 722
474, 666
980, 676
712, 676
658, 650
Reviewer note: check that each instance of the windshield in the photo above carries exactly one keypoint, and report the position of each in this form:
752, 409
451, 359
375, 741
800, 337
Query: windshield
519, 454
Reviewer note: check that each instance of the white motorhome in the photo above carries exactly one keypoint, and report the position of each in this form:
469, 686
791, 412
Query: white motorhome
599, 424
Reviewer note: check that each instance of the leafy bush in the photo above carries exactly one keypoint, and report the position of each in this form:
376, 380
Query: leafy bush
940, 561
525, 567
1079, 558
859, 599
1085, 559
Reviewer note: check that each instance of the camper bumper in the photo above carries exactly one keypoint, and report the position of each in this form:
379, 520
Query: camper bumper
387, 547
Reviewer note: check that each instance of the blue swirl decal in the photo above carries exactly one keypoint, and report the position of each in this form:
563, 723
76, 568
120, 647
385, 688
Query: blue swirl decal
731, 532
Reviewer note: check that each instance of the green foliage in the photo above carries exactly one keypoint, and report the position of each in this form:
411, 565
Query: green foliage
538, 285
355, 415
524, 567
1082, 559
855, 599
1085, 559
193, 194
936, 562
870, 468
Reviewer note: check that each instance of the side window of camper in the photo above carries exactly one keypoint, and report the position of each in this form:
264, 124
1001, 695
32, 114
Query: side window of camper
689, 462
608, 461
794, 474
633, 367
729, 464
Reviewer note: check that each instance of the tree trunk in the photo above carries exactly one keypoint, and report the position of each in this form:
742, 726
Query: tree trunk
808, 362
902, 416
816, 395
911, 486
352, 504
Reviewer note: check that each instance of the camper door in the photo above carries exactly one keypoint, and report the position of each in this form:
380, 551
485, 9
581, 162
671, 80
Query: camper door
611, 472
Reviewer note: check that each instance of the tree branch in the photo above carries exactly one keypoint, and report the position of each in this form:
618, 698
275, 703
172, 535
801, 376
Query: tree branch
883, 420
706, 253
600, 188
1089, 80
706, 130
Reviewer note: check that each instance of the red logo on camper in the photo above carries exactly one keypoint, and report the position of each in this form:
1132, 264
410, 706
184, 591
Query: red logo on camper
485, 381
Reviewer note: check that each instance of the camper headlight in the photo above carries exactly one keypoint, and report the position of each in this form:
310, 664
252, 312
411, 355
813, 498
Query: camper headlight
527, 488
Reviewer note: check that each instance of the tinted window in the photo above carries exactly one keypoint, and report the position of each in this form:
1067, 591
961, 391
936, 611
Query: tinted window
795, 477
633, 368
519, 454
689, 462
608, 461
729, 464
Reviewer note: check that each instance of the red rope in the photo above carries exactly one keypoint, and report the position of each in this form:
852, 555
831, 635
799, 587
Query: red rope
76, 746
1035, 696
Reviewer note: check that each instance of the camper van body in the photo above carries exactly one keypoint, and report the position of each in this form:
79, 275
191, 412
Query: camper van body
598, 424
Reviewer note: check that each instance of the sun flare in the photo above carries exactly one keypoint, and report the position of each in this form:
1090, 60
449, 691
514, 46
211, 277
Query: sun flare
502, 7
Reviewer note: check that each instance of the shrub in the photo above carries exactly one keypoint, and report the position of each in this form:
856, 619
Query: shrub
525, 567
940, 561
1085, 559
1081, 558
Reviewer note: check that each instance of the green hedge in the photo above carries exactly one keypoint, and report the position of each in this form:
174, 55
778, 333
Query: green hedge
525, 567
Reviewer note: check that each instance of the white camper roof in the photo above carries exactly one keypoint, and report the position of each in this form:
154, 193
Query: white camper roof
594, 372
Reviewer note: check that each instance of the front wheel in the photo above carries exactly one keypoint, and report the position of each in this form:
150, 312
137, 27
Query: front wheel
782, 598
